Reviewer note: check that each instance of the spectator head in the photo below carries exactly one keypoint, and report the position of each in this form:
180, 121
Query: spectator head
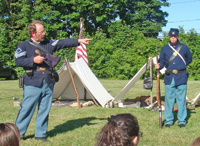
9, 135
196, 142
121, 130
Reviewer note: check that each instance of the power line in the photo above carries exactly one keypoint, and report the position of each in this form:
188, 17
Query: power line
185, 2
167, 22
183, 21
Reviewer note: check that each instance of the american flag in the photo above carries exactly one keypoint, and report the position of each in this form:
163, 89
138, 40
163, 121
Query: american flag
81, 51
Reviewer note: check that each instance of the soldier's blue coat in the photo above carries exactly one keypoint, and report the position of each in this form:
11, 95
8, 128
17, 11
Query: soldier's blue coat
25, 53
176, 64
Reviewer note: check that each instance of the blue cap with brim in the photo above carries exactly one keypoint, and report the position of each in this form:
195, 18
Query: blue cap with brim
173, 31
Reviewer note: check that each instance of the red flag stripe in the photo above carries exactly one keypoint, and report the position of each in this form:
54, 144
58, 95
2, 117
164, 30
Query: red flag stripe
81, 52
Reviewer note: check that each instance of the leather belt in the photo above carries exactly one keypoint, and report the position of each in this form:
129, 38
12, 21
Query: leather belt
44, 68
176, 71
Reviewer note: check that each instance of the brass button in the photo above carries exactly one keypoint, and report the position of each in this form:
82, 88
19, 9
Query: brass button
42, 72
37, 51
175, 54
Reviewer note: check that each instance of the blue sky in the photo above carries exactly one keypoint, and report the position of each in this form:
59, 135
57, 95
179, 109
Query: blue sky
185, 13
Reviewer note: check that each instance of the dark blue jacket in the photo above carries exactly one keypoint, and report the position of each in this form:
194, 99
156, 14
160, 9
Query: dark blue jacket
25, 53
176, 64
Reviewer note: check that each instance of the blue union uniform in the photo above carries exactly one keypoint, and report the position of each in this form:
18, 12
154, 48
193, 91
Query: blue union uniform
175, 83
176, 64
38, 88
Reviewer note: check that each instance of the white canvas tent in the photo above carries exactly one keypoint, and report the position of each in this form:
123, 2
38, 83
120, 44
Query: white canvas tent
133, 80
83, 78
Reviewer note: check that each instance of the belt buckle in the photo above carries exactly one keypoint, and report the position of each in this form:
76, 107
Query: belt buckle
174, 71
42, 68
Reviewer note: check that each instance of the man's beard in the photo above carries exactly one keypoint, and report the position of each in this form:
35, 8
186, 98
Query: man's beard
40, 39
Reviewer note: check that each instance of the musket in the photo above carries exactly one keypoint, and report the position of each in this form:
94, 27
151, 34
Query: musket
158, 97
73, 83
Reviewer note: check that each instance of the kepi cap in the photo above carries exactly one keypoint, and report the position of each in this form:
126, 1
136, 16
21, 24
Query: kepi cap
173, 31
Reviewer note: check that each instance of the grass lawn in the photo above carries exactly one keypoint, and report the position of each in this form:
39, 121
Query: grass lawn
70, 126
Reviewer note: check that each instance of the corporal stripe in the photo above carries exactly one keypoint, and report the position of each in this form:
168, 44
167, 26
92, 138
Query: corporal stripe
17, 55
55, 42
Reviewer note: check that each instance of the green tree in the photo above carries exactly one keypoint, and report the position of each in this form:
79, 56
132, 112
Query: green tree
144, 15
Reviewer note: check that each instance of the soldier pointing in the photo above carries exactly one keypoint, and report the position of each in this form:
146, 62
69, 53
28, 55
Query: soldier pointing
39, 79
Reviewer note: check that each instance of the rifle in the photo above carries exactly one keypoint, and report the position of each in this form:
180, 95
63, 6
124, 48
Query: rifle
72, 79
158, 97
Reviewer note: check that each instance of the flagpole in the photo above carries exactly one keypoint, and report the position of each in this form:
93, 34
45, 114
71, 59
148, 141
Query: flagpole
81, 24
80, 37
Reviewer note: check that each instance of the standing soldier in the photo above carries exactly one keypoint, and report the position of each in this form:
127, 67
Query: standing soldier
175, 57
39, 79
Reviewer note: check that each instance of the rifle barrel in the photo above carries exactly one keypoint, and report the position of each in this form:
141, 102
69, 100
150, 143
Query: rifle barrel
160, 118
158, 97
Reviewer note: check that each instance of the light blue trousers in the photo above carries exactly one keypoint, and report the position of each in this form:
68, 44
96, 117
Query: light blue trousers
33, 96
180, 92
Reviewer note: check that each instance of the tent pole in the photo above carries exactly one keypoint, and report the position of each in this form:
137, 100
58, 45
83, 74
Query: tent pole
73, 83
151, 75
84, 94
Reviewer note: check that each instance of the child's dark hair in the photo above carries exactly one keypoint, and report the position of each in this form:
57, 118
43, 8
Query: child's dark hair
119, 131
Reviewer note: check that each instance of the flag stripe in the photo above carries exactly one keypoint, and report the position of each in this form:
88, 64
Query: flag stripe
81, 51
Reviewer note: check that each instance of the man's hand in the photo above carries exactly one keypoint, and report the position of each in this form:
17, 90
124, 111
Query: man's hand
157, 66
38, 59
84, 41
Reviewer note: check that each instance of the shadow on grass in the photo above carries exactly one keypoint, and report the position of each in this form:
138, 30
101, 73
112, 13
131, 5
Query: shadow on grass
69, 126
